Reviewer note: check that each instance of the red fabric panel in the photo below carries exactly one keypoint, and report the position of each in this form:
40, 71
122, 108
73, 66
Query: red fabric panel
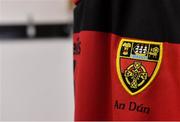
98, 86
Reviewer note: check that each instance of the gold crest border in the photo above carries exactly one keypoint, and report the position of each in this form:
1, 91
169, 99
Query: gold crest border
156, 68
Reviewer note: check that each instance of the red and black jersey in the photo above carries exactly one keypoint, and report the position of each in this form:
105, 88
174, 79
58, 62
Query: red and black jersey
127, 59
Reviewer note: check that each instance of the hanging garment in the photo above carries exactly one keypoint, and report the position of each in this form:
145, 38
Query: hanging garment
127, 59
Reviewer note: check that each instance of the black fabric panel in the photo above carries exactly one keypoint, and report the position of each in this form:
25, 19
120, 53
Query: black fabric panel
147, 19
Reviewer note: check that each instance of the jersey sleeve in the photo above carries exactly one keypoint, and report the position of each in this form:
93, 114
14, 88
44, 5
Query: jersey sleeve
76, 1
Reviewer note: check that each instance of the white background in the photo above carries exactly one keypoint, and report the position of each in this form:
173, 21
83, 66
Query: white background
42, 11
36, 76
36, 80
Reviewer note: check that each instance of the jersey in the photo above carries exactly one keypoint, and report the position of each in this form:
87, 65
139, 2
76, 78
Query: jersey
127, 60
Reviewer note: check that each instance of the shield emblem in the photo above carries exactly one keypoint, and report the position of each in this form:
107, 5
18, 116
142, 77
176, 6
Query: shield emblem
138, 63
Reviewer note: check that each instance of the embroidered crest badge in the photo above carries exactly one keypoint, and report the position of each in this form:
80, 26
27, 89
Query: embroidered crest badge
138, 63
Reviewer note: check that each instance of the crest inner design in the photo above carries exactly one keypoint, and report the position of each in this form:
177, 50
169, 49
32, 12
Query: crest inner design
136, 75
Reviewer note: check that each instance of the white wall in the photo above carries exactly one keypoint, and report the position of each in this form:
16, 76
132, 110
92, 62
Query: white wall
36, 81
42, 11
36, 76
